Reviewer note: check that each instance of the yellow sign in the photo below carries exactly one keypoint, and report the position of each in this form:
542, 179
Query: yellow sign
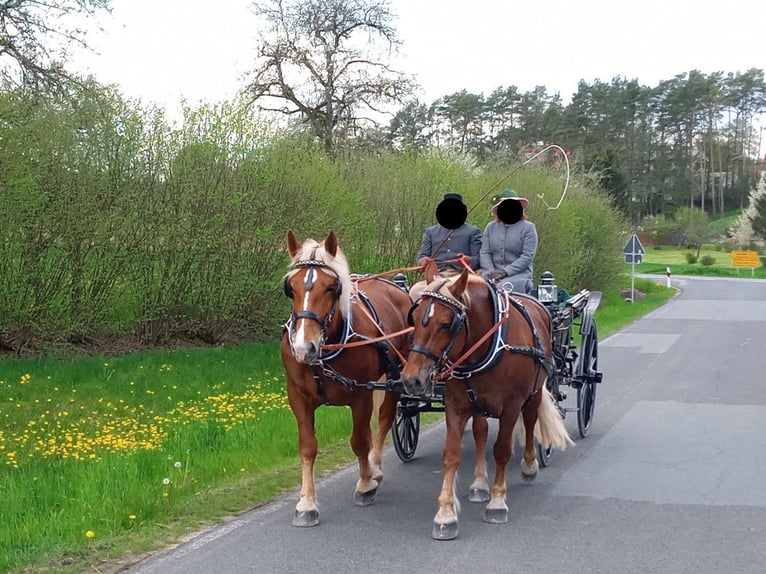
745, 259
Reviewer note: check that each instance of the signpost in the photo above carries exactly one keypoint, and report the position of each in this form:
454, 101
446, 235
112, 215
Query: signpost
745, 259
633, 251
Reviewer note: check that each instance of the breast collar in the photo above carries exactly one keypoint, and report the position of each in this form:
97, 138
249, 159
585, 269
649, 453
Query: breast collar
497, 344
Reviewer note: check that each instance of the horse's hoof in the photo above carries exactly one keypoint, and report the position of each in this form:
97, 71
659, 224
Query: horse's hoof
306, 518
478, 495
365, 498
528, 477
445, 531
495, 515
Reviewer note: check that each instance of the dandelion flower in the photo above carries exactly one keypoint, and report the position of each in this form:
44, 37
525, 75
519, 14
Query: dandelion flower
90, 534
177, 464
132, 516
166, 481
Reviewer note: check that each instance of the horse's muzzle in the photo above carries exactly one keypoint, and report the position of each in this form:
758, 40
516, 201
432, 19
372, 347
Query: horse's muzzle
418, 386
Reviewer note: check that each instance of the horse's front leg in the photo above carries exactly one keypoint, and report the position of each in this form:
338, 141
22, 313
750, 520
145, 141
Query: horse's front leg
361, 443
446, 520
479, 490
384, 404
496, 510
307, 510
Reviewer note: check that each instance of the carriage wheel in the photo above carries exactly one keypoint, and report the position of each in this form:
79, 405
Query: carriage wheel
544, 455
586, 394
406, 432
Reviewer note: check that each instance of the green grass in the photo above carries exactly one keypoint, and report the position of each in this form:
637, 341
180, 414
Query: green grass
657, 260
87, 444
615, 313
102, 455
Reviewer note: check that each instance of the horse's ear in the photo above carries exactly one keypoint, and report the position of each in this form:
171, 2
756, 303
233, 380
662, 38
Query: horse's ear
459, 286
331, 243
431, 270
293, 245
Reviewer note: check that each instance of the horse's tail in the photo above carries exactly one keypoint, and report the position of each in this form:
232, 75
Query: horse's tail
550, 429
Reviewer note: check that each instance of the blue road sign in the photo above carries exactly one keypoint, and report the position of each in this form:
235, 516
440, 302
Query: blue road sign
633, 247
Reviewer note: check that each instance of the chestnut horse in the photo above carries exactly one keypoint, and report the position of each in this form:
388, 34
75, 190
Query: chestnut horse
333, 345
501, 347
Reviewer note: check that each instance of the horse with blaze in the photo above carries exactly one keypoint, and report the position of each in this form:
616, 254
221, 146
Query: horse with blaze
341, 334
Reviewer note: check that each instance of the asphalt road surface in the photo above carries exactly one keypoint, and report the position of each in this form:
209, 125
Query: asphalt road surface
671, 479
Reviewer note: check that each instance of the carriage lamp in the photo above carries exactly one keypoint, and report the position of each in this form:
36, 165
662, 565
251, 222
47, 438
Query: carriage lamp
401, 281
547, 292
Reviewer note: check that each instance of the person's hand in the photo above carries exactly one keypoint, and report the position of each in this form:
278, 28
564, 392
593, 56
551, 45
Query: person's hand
423, 261
495, 276
464, 259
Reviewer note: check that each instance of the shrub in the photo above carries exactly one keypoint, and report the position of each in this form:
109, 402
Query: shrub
691, 258
707, 260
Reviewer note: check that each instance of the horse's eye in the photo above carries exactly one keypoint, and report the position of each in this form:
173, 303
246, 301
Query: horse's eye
331, 288
445, 326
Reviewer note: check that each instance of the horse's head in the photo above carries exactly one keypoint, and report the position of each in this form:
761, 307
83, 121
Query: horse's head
440, 324
319, 285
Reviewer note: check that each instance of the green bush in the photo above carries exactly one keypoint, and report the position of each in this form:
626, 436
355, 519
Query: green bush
691, 258
115, 224
707, 260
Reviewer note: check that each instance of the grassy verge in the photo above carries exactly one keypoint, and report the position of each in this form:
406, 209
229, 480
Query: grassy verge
104, 457
658, 259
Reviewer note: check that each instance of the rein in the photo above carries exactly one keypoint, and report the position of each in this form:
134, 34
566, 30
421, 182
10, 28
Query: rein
446, 373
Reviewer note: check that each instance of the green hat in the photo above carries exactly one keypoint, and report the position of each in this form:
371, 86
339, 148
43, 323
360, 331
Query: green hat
509, 194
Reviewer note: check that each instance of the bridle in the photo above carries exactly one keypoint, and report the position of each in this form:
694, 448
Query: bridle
312, 265
459, 320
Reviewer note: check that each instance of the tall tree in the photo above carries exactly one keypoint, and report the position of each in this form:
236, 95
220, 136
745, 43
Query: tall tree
320, 62
35, 36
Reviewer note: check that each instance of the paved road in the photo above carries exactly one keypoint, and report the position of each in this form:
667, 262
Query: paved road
672, 478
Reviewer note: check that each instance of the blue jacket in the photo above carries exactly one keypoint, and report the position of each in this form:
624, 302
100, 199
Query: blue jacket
466, 239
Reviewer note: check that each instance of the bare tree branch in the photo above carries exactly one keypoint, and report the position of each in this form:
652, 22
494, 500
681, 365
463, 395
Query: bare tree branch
319, 59
35, 36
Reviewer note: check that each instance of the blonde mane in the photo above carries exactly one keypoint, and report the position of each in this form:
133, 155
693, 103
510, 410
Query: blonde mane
311, 250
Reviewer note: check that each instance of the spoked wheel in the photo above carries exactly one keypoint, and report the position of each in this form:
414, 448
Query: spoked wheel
586, 394
406, 430
544, 455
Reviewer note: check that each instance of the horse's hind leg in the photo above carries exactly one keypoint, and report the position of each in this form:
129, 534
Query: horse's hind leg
479, 490
529, 464
361, 443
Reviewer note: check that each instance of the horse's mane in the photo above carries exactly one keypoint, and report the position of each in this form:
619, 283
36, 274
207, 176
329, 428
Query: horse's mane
311, 250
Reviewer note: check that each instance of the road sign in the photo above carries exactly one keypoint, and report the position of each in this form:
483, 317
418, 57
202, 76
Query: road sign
633, 251
633, 247
745, 259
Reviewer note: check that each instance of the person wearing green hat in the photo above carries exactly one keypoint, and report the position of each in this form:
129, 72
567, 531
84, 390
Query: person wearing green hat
448, 240
509, 244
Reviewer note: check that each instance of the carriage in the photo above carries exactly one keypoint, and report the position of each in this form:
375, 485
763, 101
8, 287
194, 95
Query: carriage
576, 367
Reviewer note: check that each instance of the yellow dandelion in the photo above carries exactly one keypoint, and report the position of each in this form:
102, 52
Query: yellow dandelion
132, 516
90, 534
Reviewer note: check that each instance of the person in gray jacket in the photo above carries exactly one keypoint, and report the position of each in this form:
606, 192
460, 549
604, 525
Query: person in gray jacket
446, 241
509, 244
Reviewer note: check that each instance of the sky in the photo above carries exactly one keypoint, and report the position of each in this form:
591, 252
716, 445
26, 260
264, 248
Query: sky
160, 51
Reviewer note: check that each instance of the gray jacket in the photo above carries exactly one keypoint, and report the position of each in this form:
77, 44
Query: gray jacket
510, 248
466, 239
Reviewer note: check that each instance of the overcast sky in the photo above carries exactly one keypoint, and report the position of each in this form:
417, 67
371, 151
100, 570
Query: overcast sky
163, 50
